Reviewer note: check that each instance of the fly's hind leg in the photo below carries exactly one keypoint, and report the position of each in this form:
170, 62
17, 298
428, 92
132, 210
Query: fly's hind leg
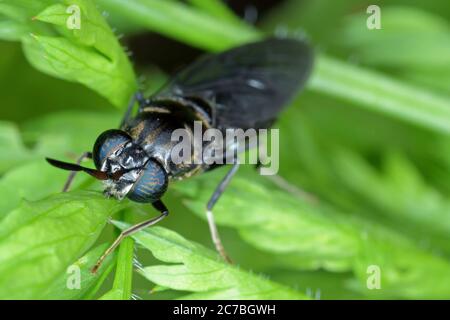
86, 155
281, 182
210, 216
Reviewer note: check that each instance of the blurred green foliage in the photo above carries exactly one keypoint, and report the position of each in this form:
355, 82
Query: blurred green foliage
369, 138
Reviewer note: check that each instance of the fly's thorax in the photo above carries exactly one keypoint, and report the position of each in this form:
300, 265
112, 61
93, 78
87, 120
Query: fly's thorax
153, 132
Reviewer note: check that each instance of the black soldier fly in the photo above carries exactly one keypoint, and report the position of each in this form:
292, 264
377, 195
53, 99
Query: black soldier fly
244, 87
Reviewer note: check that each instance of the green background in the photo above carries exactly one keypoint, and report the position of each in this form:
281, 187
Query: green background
368, 139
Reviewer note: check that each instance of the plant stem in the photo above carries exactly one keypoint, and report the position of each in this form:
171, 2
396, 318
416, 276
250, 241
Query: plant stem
124, 270
380, 93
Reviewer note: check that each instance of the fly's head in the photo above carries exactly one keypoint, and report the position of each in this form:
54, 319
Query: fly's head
133, 173
124, 167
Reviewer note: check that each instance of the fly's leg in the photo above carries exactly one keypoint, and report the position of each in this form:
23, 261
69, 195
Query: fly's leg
137, 97
283, 183
86, 155
158, 205
209, 214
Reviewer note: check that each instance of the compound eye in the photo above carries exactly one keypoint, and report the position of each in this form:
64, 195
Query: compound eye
108, 143
151, 184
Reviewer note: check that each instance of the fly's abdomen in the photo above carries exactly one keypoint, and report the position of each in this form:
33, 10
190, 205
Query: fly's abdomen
153, 132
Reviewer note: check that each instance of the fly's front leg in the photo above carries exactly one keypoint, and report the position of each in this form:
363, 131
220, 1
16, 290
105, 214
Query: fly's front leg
158, 205
86, 155
210, 216
137, 97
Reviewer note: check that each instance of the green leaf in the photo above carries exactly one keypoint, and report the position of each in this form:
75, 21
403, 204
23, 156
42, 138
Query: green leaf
320, 285
16, 17
201, 271
89, 282
405, 271
88, 53
303, 236
391, 192
39, 240
314, 236
11, 30
415, 44
32, 182
68, 132
54, 135
11, 144
409, 38
379, 93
